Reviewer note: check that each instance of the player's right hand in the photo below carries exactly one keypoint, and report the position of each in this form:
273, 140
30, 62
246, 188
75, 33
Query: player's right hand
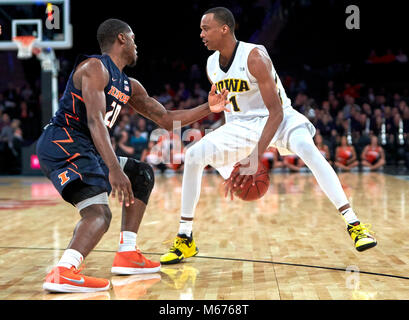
121, 186
218, 101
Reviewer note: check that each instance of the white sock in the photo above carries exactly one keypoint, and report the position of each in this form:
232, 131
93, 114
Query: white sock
127, 241
185, 227
70, 258
349, 216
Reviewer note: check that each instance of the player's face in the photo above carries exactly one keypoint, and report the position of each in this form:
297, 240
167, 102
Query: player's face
212, 32
130, 48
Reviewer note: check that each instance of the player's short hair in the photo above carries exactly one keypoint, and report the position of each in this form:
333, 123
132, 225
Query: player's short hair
108, 32
224, 16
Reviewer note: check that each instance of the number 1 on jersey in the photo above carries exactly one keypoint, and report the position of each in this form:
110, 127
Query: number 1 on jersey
233, 101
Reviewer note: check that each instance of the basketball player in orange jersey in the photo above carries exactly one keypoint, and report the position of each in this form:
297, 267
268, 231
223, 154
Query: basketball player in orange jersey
345, 155
373, 155
260, 115
76, 154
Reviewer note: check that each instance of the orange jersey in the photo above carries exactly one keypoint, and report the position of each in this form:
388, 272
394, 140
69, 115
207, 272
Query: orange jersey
373, 154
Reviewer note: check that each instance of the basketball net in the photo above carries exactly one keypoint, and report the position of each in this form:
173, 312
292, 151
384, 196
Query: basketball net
25, 46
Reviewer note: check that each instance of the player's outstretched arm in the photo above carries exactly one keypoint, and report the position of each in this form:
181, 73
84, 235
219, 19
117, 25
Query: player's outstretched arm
93, 78
150, 108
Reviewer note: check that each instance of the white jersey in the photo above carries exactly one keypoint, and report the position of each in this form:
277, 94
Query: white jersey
244, 93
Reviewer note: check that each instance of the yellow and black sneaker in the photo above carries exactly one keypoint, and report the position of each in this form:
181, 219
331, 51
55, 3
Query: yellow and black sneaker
360, 234
183, 247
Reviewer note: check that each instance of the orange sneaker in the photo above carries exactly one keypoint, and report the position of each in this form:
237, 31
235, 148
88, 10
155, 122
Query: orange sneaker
61, 279
133, 262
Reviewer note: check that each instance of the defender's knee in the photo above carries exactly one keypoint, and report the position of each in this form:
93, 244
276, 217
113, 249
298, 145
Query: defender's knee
142, 178
98, 213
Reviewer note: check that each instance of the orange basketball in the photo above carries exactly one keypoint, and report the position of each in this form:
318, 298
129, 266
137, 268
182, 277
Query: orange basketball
261, 184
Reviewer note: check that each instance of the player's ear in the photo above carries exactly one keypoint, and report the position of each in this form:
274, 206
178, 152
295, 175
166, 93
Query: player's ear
225, 29
121, 38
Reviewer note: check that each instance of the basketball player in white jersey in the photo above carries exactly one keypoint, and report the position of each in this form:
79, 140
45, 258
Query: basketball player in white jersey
260, 116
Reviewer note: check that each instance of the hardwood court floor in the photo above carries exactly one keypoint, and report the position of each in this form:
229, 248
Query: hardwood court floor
291, 244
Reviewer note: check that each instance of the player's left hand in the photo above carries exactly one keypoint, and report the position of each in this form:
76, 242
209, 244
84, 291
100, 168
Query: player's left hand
217, 102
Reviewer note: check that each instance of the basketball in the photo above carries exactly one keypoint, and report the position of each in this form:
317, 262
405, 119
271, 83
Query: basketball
261, 184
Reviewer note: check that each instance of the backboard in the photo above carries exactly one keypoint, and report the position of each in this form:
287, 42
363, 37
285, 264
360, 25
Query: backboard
48, 21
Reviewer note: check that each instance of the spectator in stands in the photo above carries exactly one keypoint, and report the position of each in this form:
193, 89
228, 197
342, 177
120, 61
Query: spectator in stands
138, 142
301, 101
326, 126
388, 57
334, 106
345, 156
123, 124
15, 163
195, 74
376, 125
169, 90
183, 92
373, 57
141, 127
349, 104
405, 119
401, 57
11, 138
271, 159
380, 101
294, 163
4, 120
26, 115
199, 91
152, 154
371, 95
322, 147
367, 109
177, 156
402, 105
373, 155
352, 90
123, 149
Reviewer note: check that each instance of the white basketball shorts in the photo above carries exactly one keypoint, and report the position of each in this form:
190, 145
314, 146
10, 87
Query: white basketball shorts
236, 139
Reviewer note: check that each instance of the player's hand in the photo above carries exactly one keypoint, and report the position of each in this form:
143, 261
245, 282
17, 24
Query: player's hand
247, 170
228, 188
121, 186
217, 102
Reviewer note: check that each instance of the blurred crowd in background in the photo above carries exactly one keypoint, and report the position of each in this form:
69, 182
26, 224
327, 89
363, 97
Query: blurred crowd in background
361, 116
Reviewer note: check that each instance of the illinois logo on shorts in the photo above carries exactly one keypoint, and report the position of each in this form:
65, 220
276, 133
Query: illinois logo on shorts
63, 177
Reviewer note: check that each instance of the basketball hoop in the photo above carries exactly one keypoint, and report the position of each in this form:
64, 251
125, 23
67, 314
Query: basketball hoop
25, 46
